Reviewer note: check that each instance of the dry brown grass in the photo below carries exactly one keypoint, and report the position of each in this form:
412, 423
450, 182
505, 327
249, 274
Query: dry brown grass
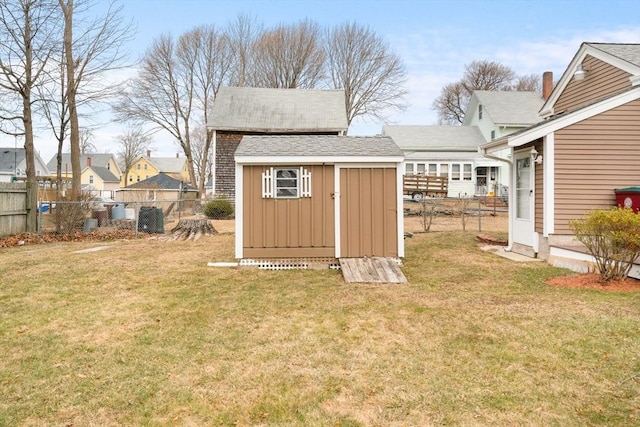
143, 332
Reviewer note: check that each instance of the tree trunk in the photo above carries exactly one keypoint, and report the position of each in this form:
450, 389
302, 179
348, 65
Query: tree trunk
192, 229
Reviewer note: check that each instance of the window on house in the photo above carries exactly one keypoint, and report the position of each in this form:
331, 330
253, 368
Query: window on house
145, 166
480, 112
433, 169
286, 183
138, 177
467, 172
421, 167
455, 172
408, 168
493, 135
444, 169
90, 179
130, 178
138, 166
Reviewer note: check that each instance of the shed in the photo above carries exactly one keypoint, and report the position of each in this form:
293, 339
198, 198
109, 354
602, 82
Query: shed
318, 196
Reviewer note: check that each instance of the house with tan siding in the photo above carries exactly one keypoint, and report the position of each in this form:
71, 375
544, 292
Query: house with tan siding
587, 146
318, 197
239, 111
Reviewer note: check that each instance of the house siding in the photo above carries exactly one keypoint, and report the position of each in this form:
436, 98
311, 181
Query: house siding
277, 228
538, 191
592, 158
602, 80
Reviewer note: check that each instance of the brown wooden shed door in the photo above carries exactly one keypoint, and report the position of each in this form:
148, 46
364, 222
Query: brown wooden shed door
368, 212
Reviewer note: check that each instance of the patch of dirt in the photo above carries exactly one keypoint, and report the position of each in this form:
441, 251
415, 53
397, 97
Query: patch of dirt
592, 281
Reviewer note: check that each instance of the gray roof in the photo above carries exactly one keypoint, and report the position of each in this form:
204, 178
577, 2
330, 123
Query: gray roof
279, 110
162, 182
10, 158
435, 138
105, 174
318, 146
511, 107
100, 160
627, 52
168, 164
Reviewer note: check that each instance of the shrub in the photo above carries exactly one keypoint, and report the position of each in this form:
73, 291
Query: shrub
218, 208
612, 237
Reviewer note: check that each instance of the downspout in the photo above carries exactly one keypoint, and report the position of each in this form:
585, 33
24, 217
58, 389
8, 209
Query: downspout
484, 153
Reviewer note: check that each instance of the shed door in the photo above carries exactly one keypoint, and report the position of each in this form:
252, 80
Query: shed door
368, 212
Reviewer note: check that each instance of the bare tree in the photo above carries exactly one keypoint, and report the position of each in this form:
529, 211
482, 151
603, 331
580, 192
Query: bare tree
86, 141
28, 31
88, 57
363, 64
242, 33
452, 102
289, 57
176, 85
132, 144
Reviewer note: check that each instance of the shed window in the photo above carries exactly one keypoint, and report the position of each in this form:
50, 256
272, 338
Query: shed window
286, 183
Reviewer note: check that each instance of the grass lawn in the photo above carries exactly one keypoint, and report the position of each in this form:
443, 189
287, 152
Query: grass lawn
144, 333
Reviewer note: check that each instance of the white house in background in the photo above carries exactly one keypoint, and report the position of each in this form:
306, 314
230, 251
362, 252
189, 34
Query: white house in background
450, 151
100, 160
13, 163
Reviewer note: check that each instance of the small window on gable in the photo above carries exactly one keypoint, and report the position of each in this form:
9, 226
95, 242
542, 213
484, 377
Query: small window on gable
286, 183
493, 135
145, 166
480, 112
90, 179
138, 166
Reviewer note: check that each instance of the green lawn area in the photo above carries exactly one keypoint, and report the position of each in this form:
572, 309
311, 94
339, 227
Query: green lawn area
144, 333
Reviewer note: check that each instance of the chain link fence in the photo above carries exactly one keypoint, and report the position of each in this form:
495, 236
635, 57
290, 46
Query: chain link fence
146, 216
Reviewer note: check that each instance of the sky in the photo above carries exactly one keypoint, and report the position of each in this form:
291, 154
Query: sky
435, 39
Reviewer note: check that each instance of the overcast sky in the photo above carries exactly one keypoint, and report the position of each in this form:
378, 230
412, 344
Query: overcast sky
434, 38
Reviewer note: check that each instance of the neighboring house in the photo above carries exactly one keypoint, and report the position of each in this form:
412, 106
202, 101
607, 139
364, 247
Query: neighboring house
103, 182
500, 113
146, 167
159, 187
13, 163
100, 160
322, 196
453, 150
571, 163
450, 151
239, 111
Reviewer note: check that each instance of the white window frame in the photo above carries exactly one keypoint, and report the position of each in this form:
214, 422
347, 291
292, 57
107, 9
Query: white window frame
270, 181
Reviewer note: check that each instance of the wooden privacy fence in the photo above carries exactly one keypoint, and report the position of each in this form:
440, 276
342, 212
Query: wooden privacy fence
13, 208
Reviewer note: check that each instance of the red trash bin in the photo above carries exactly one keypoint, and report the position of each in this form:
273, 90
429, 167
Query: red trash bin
628, 197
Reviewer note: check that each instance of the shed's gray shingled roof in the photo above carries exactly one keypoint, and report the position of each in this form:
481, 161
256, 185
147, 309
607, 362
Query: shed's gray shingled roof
628, 52
511, 107
435, 138
279, 110
318, 146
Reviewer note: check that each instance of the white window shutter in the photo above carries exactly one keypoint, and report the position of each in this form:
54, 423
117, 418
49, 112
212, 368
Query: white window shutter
267, 184
305, 188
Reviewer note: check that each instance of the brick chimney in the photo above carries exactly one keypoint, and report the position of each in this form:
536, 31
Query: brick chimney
88, 161
148, 153
547, 84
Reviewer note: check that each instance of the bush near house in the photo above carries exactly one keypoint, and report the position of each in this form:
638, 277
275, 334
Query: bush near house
218, 208
612, 237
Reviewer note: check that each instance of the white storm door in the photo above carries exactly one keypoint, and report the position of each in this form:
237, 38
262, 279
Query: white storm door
523, 231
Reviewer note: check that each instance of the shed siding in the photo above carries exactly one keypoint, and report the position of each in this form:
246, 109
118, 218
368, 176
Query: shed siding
602, 80
368, 212
276, 228
594, 157
226, 144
